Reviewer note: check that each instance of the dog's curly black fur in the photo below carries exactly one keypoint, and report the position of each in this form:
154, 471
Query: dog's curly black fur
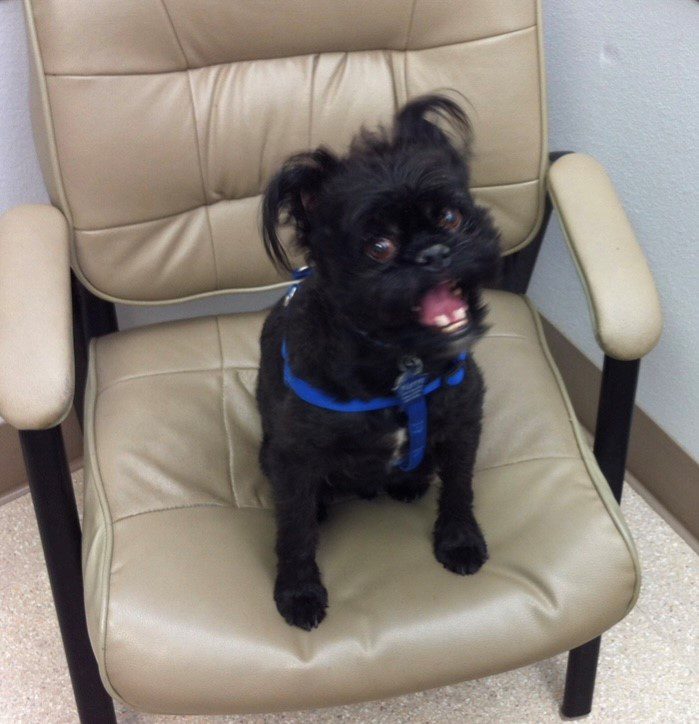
381, 227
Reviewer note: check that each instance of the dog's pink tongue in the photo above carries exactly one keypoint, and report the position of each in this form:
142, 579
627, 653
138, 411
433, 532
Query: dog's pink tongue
442, 306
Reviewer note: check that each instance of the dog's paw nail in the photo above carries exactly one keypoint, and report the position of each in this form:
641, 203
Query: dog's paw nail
462, 552
304, 605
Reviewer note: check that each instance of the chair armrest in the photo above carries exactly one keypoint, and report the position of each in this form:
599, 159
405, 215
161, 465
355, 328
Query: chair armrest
36, 337
621, 293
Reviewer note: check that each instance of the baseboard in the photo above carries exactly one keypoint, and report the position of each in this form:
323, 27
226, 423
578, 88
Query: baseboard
13, 480
668, 474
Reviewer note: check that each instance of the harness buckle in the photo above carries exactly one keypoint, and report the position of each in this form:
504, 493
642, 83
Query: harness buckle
410, 383
410, 363
290, 293
299, 275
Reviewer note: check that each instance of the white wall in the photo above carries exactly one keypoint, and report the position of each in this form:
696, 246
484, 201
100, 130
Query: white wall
20, 177
623, 85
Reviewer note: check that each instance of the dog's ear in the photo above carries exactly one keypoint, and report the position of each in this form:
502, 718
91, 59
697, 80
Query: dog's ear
424, 119
290, 199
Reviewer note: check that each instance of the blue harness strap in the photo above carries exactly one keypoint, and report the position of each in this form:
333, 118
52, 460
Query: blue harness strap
411, 391
411, 394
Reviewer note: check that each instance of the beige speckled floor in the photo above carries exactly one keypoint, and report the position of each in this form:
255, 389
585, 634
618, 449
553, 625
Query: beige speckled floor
649, 667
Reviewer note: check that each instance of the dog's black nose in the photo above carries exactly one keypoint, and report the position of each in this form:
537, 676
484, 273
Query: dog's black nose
435, 257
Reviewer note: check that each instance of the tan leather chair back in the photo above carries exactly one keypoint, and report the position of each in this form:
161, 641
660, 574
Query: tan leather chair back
158, 122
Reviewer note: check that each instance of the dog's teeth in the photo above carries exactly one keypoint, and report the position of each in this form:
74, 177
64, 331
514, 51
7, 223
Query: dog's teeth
459, 313
442, 320
453, 327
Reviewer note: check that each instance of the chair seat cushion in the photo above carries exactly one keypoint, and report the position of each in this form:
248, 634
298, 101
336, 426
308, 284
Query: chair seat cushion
179, 536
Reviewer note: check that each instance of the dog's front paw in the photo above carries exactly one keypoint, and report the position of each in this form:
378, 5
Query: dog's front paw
302, 604
460, 547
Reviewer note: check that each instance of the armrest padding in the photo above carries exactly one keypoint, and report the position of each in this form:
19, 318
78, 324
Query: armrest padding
36, 337
621, 293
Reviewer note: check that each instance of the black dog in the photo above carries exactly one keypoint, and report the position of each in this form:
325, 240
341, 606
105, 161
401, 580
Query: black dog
398, 252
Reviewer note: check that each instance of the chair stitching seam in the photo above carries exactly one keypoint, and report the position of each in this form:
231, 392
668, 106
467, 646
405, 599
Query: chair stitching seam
314, 69
174, 372
474, 189
206, 205
258, 507
527, 460
174, 507
543, 125
103, 501
248, 368
390, 61
405, 49
174, 32
293, 57
197, 141
409, 31
229, 442
177, 213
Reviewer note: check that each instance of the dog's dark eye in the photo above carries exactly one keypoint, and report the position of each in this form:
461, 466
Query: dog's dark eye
382, 249
450, 219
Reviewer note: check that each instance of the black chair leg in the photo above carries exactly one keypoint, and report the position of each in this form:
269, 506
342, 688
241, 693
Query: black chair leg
57, 516
580, 679
614, 416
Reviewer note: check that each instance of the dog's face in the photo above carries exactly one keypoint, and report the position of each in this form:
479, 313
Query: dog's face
397, 242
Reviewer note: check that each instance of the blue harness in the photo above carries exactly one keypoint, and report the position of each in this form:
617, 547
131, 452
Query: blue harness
411, 390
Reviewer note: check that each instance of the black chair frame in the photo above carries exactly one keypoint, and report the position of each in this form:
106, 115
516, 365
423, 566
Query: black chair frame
57, 516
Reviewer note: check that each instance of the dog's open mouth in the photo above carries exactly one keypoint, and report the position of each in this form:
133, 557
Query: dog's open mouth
444, 308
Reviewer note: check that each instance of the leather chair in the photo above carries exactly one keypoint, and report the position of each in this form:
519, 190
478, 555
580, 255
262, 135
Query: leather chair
157, 124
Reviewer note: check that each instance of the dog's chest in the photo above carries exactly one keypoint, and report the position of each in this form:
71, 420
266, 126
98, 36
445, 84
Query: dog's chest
392, 431
375, 445
398, 443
